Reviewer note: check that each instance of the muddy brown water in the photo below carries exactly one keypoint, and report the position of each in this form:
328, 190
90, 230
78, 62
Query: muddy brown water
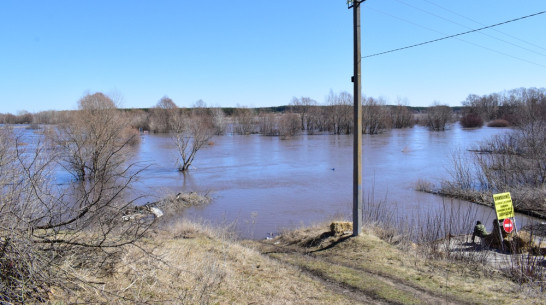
262, 185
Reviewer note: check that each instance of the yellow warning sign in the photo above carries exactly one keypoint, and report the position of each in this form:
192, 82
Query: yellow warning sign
503, 205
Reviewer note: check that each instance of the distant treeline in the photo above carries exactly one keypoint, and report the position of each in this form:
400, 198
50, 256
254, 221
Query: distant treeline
287, 120
59, 116
335, 116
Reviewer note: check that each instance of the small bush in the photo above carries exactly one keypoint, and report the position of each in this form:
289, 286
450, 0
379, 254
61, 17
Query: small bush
471, 120
498, 123
423, 186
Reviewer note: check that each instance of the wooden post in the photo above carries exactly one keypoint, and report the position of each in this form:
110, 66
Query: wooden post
357, 122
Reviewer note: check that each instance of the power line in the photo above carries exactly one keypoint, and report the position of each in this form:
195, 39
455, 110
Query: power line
464, 26
477, 22
460, 39
452, 36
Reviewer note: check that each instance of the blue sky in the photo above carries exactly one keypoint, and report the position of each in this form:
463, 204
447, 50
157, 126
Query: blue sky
231, 53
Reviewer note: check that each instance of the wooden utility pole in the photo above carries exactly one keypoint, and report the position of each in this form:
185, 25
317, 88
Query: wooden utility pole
357, 121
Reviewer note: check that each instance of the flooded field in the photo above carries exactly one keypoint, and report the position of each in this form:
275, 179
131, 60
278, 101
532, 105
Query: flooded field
266, 184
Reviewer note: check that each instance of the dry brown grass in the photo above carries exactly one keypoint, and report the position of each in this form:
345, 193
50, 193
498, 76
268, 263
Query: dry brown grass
193, 264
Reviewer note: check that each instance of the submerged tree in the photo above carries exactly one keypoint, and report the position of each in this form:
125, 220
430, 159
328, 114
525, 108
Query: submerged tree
401, 115
269, 124
340, 114
375, 118
438, 116
94, 141
162, 115
303, 106
190, 133
244, 118
289, 125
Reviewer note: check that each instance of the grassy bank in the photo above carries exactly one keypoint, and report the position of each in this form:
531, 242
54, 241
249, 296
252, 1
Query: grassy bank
189, 263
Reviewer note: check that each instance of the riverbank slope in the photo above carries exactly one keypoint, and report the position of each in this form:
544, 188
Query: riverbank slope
189, 263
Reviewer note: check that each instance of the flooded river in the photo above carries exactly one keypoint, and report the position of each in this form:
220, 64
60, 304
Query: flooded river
265, 184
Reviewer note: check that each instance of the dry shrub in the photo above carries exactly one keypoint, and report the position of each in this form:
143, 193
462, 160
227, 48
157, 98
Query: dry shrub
424, 186
23, 277
527, 268
498, 123
471, 120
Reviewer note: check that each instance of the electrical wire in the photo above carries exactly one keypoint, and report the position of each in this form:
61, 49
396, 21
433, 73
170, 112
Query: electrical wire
464, 26
462, 40
459, 34
477, 22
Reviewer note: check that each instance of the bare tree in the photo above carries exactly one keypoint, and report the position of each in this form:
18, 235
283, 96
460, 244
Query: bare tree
244, 117
529, 104
486, 106
219, 121
317, 120
374, 116
289, 125
340, 112
94, 139
302, 106
190, 133
401, 115
438, 116
162, 113
269, 124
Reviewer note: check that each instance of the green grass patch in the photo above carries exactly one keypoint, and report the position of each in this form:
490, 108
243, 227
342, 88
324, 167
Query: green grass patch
368, 283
